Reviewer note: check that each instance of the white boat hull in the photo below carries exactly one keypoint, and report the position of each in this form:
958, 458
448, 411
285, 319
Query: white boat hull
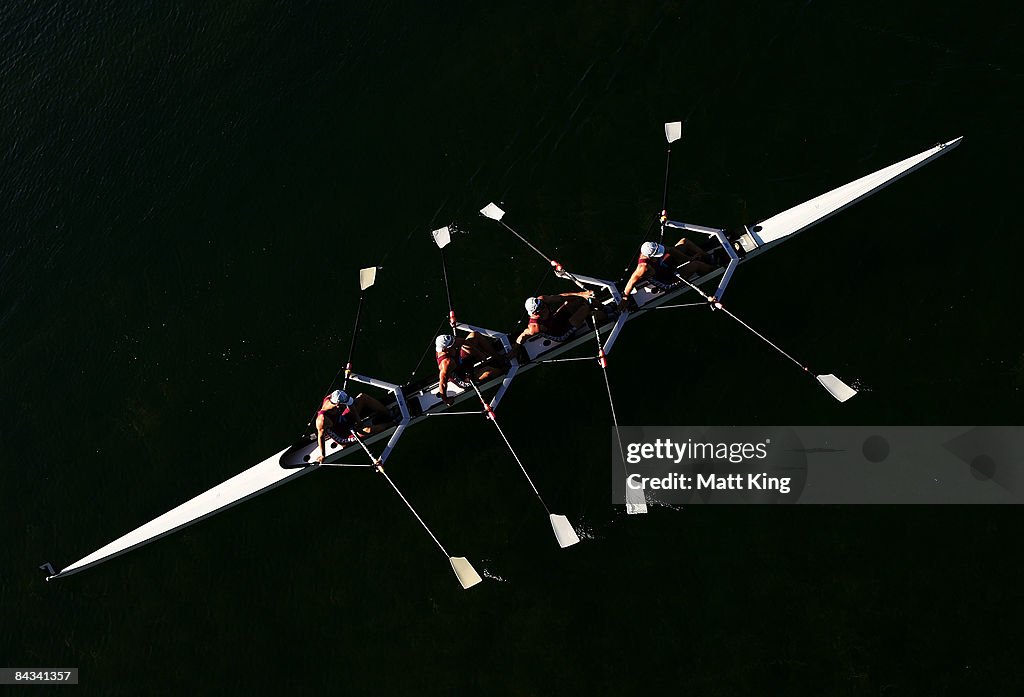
252, 482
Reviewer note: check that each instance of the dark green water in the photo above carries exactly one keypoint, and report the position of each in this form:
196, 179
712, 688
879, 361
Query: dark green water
187, 195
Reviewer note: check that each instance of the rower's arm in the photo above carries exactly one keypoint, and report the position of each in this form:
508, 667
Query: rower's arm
631, 283
530, 330
442, 379
585, 294
320, 436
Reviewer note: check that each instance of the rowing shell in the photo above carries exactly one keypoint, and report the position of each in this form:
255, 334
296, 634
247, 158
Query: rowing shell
414, 405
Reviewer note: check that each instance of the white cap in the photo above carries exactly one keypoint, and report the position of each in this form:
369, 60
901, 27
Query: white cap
533, 306
341, 397
443, 342
652, 249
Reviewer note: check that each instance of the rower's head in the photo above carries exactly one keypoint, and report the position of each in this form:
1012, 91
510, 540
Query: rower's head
444, 342
340, 397
652, 250
533, 306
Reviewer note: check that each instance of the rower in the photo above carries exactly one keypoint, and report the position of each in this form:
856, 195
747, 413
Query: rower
340, 415
459, 358
663, 266
557, 316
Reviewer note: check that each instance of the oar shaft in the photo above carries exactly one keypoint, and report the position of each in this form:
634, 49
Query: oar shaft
566, 360
429, 347
378, 466
447, 291
352, 345
527, 242
375, 460
718, 306
664, 194
413, 511
615, 419
549, 260
489, 413
521, 467
765, 339
671, 307
347, 368
608, 388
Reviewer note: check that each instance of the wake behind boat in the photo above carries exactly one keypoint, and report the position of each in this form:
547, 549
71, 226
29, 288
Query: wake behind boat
412, 403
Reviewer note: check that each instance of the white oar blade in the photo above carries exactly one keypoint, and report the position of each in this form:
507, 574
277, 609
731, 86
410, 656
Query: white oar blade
366, 277
836, 387
468, 576
442, 237
636, 500
673, 131
564, 533
492, 211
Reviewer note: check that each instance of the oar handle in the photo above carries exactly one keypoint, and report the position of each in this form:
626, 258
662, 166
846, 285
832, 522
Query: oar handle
563, 272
